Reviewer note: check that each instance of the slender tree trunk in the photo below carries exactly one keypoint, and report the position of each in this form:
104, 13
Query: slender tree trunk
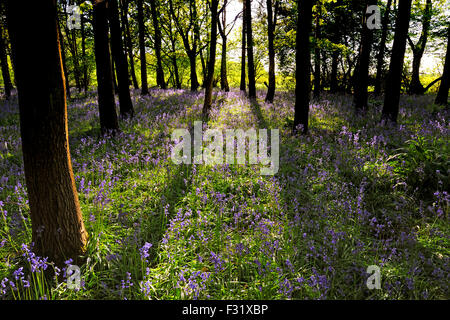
106, 103
83, 53
113, 69
418, 51
251, 64
393, 81
271, 21
442, 96
317, 86
64, 63
334, 71
159, 69
212, 57
223, 64
362, 72
380, 55
244, 35
120, 61
302, 63
141, 26
128, 43
58, 231
4, 64
173, 56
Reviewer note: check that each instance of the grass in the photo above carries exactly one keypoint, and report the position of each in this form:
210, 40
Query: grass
165, 231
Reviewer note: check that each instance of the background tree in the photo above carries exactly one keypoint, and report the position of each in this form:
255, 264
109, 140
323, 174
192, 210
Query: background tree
251, 64
442, 96
106, 103
212, 57
382, 48
58, 231
141, 25
154, 8
303, 60
271, 24
120, 61
128, 40
393, 81
222, 24
4, 61
362, 72
243, 46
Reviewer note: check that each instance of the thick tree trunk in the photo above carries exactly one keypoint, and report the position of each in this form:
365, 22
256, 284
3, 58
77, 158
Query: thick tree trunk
251, 64
58, 231
159, 69
4, 65
128, 43
393, 81
380, 55
270, 35
141, 26
302, 66
442, 96
120, 61
212, 57
243, 48
362, 72
106, 103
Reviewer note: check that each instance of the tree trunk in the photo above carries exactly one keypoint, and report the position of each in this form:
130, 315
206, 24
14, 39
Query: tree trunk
159, 69
380, 55
141, 26
302, 66
442, 96
317, 86
64, 63
393, 81
223, 64
244, 34
251, 64
271, 20
128, 43
58, 231
120, 61
418, 50
334, 71
212, 57
4, 64
362, 72
106, 103
83, 53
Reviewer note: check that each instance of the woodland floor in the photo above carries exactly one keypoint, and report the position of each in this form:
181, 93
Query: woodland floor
352, 193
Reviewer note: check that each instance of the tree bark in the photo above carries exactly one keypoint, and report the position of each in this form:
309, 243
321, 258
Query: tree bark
120, 61
393, 81
159, 69
380, 55
251, 64
302, 63
271, 22
212, 57
442, 96
141, 26
362, 72
106, 103
418, 50
83, 58
223, 64
128, 42
4, 65
244, 35
58, 231
317, 86
64, 63
334, 71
